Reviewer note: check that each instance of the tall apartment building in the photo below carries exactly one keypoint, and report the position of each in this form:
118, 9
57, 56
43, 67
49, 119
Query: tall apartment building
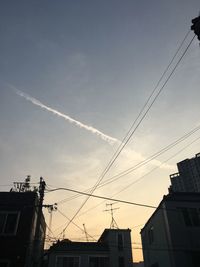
187, 179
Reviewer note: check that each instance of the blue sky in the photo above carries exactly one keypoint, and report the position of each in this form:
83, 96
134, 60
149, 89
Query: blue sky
97, 62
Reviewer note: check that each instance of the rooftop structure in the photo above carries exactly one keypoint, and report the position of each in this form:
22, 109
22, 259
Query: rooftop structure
18, 218
171, 236
113, 249
187, 179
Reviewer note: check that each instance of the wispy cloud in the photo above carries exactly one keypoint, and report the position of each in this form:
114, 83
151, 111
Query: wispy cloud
111, 140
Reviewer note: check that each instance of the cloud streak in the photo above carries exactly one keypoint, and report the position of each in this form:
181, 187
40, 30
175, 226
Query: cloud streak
128, 153
109, 139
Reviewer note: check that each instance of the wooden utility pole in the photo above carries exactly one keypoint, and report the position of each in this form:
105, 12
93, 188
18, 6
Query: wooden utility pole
36, 259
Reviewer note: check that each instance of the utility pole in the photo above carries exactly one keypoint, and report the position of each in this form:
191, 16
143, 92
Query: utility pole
36, 247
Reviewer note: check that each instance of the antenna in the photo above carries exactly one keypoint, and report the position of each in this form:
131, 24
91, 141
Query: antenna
113, 224
22, 186
85, 231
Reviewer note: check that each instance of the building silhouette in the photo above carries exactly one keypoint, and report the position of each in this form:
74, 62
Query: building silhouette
187, 179
171, 236
18, 220
113, 249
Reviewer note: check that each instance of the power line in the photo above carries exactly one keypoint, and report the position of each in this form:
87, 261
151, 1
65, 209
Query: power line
157, 166
150, 96
142, 163
82, 230
129, 133
101, 197
69, 220
48, 239
157, 247
143, 176
149, 159
115, 156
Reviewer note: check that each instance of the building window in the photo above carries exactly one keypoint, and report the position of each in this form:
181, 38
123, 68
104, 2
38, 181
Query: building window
151, 235
8, 223
191, 216
120, 241
121, 261
98, 262
67, 262
186, 216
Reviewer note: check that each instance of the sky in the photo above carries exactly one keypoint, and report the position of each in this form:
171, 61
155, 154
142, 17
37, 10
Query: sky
73, 77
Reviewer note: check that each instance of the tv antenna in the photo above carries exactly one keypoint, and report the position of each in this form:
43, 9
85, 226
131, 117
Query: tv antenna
22, 186
85, 231
113, 224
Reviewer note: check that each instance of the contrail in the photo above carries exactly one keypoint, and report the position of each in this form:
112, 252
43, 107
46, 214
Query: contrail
111, 140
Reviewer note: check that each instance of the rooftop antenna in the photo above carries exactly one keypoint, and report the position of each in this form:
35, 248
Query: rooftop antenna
113, 224
22, 186
85, 231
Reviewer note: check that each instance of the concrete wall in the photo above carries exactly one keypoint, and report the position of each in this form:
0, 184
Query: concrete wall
176, 237
117, 244
156, 248
184, 239
119, 249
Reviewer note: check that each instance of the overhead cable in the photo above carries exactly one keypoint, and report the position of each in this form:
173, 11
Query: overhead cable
101, 197
140, 164
143, 176
116, 155
75, 224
